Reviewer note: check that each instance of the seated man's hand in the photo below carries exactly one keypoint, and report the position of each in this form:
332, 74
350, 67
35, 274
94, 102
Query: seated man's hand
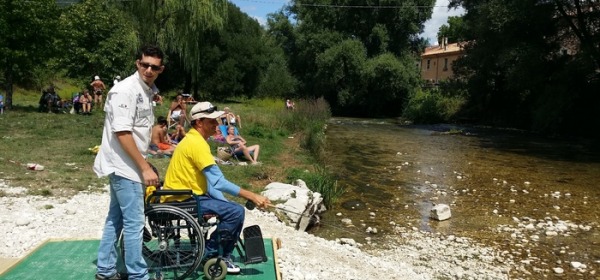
261, 201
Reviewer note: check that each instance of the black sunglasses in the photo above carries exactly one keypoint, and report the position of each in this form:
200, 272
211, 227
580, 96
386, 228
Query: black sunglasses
146, 65
208, 111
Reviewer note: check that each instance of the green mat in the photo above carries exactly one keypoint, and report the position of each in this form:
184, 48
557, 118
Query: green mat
77, 260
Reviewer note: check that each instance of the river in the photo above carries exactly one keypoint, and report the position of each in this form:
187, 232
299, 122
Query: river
528, 195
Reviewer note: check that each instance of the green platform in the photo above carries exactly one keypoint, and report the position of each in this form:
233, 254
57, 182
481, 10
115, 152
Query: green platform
62, 260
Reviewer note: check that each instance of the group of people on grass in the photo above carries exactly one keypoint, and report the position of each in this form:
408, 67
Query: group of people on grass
80, 103
164, 142
125, 139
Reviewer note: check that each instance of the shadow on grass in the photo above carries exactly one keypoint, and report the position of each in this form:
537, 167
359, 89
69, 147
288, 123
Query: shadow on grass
24, 108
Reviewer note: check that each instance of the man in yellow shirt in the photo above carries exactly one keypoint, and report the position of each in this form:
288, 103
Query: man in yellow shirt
193, 167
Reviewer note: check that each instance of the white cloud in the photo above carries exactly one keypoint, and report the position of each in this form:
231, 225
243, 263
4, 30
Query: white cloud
439, 17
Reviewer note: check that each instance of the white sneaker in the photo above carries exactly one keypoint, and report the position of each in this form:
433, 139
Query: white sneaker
231, 267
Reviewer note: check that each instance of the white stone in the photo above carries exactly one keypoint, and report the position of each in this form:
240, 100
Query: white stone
440, 212
348, 241
576, 265
347, 221
558, 270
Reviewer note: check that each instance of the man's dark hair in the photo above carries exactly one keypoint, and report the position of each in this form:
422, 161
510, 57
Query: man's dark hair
161, 120
151, 50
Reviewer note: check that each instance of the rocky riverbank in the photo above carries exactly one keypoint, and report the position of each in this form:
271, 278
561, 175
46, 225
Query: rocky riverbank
29, 220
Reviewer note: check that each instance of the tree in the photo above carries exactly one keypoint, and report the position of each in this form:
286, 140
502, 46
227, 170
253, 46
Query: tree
100, 41
27, 29
237, 59
340, 72
391, 80
455, 30
177, 25
333, 42
401, 21
517, 72
583, 19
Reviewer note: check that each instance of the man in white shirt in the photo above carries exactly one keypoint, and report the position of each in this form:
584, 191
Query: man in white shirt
125, 140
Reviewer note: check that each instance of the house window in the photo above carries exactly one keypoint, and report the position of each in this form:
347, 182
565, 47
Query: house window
428, 64
445, 64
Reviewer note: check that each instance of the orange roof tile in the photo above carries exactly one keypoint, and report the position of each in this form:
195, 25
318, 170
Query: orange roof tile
450, 48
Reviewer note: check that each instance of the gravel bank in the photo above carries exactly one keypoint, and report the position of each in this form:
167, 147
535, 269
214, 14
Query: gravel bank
29, 220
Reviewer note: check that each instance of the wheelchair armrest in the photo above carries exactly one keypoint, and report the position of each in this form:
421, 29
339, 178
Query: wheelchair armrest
172, 192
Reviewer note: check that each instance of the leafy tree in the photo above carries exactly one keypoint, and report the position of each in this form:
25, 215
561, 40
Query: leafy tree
401, 21
391, 80
238, 58
333, 42
177, 25
516, 72
340, 72
27, 29
281, 29
276, 80
455, 30
98, 39
582, 18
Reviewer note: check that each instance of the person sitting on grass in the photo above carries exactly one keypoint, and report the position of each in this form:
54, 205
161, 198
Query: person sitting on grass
177, 111
238, 145
178, 135
160, 143
86, 102
218, 137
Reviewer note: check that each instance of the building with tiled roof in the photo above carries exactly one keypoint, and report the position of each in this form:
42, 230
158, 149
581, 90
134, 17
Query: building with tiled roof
436, 61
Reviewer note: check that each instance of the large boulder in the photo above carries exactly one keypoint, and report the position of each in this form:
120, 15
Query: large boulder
298, 203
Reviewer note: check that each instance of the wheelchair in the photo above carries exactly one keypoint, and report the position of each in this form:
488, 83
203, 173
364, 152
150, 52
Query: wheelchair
174, 240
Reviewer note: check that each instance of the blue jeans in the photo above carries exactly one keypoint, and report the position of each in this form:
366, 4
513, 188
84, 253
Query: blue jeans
231, 221
126, 213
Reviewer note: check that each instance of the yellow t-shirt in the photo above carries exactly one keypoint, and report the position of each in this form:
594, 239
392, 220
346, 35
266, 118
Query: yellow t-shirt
190, 157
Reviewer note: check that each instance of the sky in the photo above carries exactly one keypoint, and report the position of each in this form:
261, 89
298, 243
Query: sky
258, 9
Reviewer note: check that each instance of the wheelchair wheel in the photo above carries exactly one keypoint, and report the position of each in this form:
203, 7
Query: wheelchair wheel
173, 243
215, 269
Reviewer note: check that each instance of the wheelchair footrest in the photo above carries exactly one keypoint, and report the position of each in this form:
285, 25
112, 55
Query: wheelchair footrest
254, 245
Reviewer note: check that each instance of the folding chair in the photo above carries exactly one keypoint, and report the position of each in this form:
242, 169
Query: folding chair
175, 117
235, 155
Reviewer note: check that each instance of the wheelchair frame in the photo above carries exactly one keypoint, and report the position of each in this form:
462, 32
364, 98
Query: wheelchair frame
174, 240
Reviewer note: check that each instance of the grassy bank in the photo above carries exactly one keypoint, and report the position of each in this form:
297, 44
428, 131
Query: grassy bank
290, 141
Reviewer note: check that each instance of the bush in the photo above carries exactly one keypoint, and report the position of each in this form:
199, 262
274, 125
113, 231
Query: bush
432, 106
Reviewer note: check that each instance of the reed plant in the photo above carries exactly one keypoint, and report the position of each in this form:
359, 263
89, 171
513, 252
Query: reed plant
321, 181
309, 119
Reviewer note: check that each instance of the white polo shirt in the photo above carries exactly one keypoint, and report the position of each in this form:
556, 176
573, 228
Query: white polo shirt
128, 107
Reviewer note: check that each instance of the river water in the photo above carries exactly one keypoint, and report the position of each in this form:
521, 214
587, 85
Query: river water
496, 182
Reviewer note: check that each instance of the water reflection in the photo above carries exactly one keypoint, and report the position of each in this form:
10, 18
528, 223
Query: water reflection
488, 177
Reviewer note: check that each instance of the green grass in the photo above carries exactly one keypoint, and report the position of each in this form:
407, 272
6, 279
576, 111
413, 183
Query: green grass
60, 143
